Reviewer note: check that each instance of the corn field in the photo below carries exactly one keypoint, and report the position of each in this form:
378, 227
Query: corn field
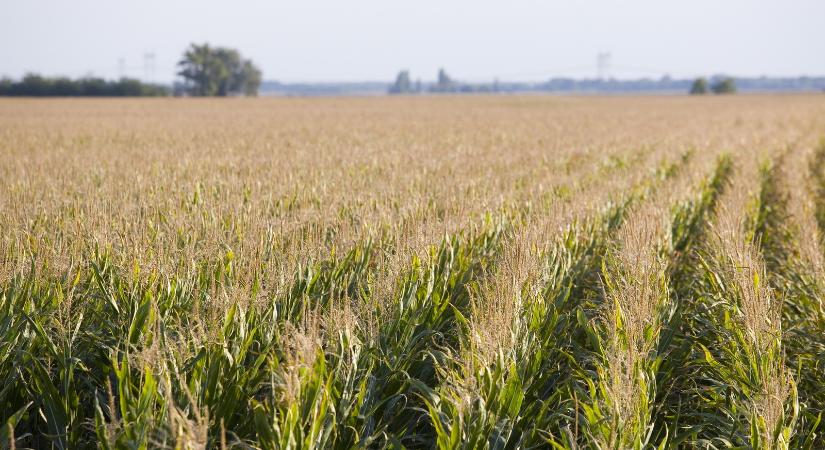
454, 273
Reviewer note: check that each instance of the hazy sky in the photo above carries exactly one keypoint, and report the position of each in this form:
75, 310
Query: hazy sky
319, 40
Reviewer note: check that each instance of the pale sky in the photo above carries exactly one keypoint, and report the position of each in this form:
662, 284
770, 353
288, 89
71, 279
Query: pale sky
474, 40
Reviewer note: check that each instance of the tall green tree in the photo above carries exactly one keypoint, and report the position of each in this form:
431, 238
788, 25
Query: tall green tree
218, 71
699, 87
724, 86
445, 82
251, 76
402, 84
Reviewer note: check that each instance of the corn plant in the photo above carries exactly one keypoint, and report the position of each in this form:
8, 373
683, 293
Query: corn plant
748, 396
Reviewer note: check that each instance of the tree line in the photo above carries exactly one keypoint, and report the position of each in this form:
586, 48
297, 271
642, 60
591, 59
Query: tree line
701, 86
205, 70
34, 85
446, 84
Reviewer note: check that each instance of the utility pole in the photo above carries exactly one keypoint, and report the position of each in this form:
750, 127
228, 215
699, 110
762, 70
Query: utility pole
121, 67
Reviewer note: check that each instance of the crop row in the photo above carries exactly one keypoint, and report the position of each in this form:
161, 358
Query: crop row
684, 311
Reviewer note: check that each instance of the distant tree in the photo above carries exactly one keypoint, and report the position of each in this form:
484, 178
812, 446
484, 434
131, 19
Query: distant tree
724, 86
35, 85
402, 84
218, 71
96, 87
251, 77
443, 78
228, 62
699, 87
444, 83
201, 70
